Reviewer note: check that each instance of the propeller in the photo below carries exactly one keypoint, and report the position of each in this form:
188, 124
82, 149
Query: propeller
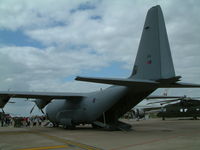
3, 111
34, 106
164, 102
32, 109
42, 111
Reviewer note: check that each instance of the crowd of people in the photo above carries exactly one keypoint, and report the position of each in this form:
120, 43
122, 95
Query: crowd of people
7, 120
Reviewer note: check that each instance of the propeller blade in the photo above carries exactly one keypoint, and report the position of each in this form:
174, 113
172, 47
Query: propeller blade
162, 97
32, 109
194, 99
165, 101
42, 111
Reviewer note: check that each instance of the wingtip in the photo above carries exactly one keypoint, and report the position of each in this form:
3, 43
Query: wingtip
77, 78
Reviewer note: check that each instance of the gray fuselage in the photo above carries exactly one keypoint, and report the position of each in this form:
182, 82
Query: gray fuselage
113, 102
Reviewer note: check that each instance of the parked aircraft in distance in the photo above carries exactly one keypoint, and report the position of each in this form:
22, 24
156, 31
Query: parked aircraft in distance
143, 108
140, 111
182, 106
153, 69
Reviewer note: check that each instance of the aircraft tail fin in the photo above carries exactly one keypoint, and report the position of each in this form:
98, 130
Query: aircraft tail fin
154, 60
153, 65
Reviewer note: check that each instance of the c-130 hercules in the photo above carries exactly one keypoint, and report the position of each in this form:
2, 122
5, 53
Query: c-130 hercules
153, 69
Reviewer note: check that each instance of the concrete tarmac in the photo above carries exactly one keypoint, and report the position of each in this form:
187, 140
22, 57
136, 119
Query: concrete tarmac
153, 134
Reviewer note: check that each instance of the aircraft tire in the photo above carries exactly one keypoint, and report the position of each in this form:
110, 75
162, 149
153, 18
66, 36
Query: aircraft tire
95, 126
55, 125
195, 118
71, 127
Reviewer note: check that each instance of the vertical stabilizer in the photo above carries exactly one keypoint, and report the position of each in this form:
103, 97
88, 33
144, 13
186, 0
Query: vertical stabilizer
154, 59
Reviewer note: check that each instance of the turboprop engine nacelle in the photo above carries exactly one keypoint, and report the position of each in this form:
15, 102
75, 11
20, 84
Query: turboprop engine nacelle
3, 101
41, 103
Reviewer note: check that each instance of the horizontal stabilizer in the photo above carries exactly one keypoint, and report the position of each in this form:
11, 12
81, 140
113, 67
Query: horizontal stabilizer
137, 82
119, 81
179, 85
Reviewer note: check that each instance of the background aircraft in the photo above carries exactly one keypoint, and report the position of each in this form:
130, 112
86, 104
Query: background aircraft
153, 69
182, 106
146, 107
140, 111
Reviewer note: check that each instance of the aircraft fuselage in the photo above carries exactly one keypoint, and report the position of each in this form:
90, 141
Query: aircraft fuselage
112, 102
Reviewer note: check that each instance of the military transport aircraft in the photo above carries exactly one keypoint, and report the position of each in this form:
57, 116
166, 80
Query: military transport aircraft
153, 69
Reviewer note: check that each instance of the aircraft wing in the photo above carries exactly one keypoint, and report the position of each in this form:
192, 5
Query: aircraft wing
46, 97
40, 95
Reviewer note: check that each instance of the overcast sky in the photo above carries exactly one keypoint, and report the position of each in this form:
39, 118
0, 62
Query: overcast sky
45, 44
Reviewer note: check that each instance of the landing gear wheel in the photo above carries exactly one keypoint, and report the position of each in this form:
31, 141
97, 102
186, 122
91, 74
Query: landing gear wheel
95, 126
70, 127
195, 118
55, 125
